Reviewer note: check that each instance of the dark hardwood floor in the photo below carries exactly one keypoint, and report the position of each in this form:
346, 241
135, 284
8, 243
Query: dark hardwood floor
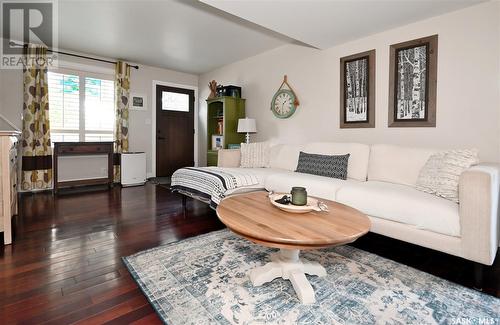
65, 264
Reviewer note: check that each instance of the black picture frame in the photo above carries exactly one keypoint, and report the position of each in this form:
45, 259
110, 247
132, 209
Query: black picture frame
368, 86
404, 58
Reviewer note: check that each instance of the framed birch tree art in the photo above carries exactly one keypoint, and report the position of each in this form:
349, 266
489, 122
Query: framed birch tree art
357, 90
412, 83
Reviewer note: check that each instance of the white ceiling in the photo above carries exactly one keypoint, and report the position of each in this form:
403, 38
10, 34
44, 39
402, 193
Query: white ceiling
326, 23
186, 36
194, 37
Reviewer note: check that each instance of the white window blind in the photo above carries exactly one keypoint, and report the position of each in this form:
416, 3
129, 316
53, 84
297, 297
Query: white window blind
64, 106
99, 109
81, 108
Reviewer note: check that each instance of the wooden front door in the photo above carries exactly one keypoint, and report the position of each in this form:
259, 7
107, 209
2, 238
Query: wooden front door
174, 129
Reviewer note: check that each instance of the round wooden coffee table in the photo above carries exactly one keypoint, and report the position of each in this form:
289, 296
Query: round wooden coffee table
253, 217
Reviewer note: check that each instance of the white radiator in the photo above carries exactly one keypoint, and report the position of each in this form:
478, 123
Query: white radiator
133, 168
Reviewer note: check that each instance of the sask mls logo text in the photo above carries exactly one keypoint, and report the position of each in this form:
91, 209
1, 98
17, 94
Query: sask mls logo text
27, 22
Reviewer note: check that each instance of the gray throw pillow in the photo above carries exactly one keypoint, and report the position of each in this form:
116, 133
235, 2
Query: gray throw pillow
334, 166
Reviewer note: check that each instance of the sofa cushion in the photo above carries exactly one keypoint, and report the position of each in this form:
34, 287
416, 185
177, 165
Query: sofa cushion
402, 204
260, 173
229, 158
334, 166
441, 173
358, 160
396, 164
319, 186
255, 155
285, 156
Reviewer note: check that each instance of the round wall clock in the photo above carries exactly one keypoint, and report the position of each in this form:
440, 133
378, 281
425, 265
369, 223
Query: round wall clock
284, 101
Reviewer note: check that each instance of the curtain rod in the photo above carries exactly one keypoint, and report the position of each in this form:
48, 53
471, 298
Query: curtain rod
75, 55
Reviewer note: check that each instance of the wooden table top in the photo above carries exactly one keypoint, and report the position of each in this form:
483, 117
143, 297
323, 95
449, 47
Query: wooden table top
254, 217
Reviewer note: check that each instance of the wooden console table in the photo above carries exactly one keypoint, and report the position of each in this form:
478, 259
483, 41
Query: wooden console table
83, 149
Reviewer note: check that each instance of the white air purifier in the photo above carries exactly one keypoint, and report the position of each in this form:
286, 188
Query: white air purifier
133, 168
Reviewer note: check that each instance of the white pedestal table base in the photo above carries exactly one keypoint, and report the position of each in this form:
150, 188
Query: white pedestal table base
286, 264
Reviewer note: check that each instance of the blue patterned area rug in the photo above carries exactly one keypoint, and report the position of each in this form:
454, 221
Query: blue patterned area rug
203, 280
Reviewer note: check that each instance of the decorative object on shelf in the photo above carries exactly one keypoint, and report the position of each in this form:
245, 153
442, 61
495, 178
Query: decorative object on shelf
247, 125
218, 114
220, 126
220, 89
138, 102
213, 89
217, 142
357, 90
299, 195
232, 91
229, 91
285, 101
234, 146
412, 83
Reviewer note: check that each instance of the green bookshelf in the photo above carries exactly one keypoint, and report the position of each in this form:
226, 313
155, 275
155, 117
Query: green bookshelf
222, 120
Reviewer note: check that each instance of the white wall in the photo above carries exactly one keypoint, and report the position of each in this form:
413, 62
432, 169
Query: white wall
11, 98
141, 121
468, 99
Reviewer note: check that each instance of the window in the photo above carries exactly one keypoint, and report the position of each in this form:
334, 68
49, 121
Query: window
64, 107
81, 107
99, 109
174, 101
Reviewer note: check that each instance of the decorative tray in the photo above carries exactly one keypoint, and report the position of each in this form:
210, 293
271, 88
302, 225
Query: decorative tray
312, 204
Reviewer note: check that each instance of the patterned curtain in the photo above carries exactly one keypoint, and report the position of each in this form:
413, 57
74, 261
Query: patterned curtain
36, 147
122, 89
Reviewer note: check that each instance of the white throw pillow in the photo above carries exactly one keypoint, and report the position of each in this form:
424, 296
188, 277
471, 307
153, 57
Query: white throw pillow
441, 173
254, 155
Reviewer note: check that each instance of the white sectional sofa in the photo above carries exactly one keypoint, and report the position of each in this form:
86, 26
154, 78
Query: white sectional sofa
381, 183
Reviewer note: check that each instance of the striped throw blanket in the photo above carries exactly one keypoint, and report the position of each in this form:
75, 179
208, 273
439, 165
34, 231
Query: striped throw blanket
210, 183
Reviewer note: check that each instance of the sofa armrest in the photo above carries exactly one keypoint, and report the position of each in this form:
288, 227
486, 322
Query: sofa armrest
228, 158
478, 209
